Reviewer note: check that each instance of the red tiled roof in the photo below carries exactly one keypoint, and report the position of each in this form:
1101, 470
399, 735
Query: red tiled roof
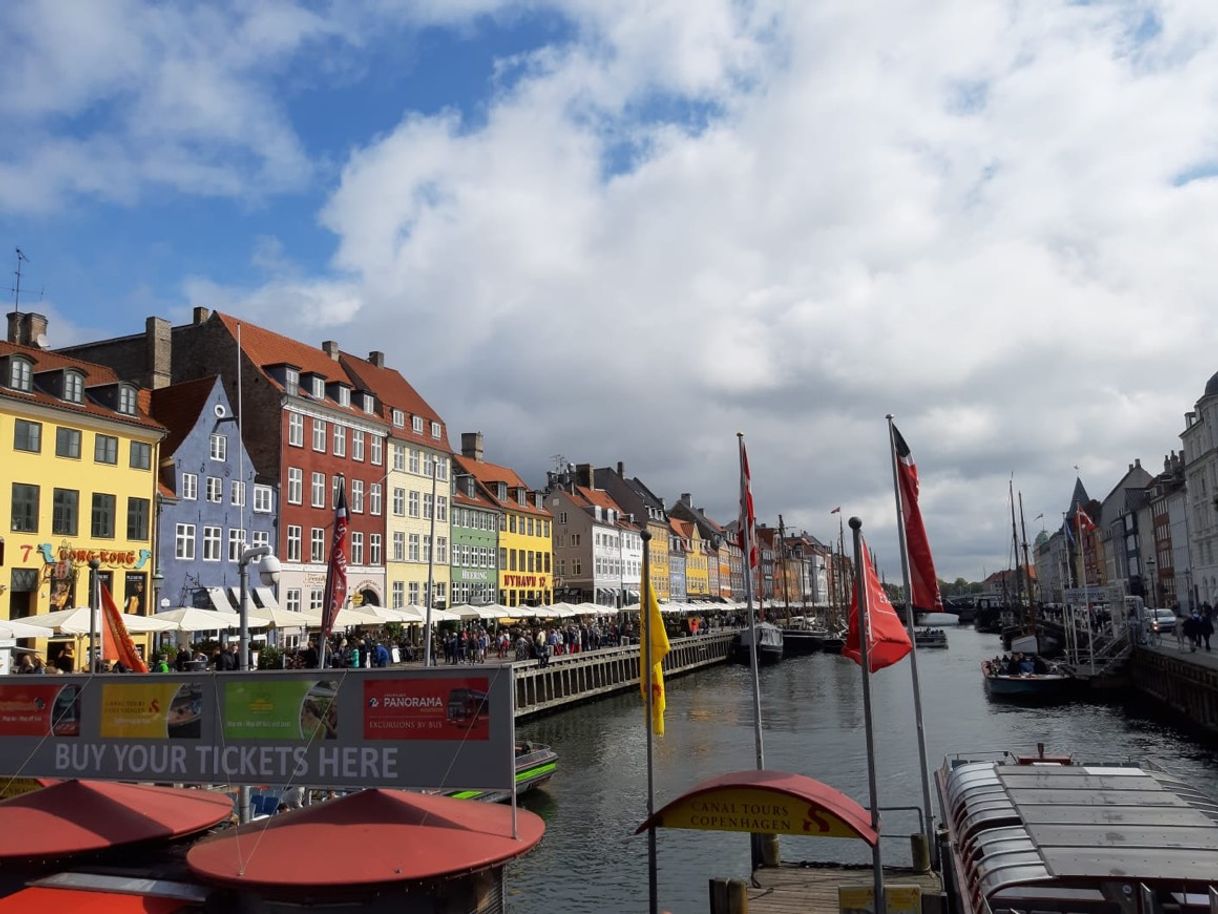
177, 407
95, 376
682, 528
599, 497
489, 475
395, 392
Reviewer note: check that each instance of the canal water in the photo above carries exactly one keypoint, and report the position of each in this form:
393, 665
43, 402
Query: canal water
590, 861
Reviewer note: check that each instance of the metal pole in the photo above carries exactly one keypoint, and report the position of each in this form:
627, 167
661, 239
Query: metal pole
94, 607
913, 652
746, 543
243, 646
1082, 561
431, 570
653, 890
864, 623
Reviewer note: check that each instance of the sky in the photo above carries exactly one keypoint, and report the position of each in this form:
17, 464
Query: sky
626, 231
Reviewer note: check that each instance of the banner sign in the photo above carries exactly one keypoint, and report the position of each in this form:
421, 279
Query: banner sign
422, 729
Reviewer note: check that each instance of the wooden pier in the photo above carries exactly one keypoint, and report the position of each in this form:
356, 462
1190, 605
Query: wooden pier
812, 889
572, 678
1184, 681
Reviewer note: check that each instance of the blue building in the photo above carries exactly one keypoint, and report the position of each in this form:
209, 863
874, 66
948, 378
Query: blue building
210, 506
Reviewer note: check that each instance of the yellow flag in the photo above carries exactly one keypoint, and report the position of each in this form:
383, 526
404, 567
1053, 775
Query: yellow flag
653, 630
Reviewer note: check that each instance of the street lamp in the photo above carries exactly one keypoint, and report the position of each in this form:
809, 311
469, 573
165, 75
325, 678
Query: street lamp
268, 571
1154, 581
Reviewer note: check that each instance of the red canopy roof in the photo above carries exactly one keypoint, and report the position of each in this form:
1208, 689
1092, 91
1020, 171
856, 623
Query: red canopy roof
366, 838
76, 817
82, 901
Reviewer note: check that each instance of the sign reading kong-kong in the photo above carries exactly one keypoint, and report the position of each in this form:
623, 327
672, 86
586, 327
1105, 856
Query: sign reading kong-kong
376, 728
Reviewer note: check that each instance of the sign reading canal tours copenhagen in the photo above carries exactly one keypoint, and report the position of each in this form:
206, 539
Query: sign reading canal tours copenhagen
752, 810
375, 728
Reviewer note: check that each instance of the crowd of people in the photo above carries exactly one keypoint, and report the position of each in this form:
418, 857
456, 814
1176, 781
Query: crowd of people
1016, 664
1198, 627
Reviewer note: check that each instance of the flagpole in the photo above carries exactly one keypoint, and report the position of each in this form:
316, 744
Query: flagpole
653, 894
860, 588
746, 537
431, 568
1082, 561
913, 651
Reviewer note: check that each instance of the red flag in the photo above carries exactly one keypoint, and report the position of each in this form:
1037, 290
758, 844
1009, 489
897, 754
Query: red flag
1085, 523
889, 640
336, 573
116, 643
925, 584
836, 510
748, 518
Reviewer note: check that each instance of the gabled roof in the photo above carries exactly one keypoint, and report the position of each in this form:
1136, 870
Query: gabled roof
598, 498
45, 360
177, 407
489, 475
1079, 498
395, 392
682, 528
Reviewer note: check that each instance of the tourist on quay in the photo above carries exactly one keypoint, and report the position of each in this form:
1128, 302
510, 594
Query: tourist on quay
1206, 628
1192, 631
66, 661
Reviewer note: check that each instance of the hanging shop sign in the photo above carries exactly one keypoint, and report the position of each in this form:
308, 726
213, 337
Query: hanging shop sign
422, 729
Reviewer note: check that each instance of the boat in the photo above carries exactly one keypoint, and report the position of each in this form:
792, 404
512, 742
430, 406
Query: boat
930, 638
1045, 833
535, 765
802, 635
1045, 682
769, 644
833, 644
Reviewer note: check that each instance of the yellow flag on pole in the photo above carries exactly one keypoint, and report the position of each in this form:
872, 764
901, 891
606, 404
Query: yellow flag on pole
657, 639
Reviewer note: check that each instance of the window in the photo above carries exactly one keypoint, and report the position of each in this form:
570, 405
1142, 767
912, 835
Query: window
217, 447
426, 505
435, 430
105, 449
357, 444
378, 451
512, 523
215, 489
441, 589
369, 403
319, 388
211, 544
344, 396
414, 593
414, 503
260, 538
317, 545
340, 441
416, 424
399, 418
562, 517
236, 493
441, 469
190, 486
374, 549
319, 435
399, 502
316, 596
236, 539
103, 515
292, 599
262, 499
65, 512
295, 488
399, 595
184, 542
20, 374
291, 383
357, 496
357, 548
426, 548
399, 546
413, 554
73, 386
27, 436
295, 429
429, 464
442, 549
512, 553
141, 455
441, 508
137, 518
414, 461
399, 457
502, 557
374, 499
126, 400
67, 443
334, 490
317, 491
293, 543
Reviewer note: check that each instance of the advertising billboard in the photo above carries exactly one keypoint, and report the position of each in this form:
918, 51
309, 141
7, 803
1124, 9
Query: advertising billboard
421, 729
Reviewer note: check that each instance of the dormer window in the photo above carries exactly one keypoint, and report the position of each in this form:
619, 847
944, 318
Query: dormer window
502, 490
291, 380
344, 396
469, 486
416, 424
399, 418
435, 430
520, 497
126, 400
319, 388
369, 403
20, 374
73, 386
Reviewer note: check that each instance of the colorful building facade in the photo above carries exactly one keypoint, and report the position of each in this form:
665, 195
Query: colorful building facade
475, 552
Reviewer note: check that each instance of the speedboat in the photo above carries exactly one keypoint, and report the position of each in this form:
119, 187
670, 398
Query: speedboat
535, 765
769, 644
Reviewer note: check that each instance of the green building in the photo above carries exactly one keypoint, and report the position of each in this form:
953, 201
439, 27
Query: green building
475, 542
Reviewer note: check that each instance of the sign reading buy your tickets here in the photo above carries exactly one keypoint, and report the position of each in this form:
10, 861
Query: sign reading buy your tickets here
376, 728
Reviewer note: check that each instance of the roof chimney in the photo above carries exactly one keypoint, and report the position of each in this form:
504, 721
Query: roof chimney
1137, 462
25, 328
585, 475
199, 315
158, 352
471, 445
377, 358
687, 499
330, 348
621, 469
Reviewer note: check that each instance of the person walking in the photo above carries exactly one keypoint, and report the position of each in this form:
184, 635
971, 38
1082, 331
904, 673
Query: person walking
1206, 628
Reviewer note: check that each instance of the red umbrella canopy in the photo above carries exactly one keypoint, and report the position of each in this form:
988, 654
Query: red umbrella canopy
367, 838
78, 817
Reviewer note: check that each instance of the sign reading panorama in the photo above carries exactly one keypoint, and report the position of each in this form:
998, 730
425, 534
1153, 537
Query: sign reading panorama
424, 729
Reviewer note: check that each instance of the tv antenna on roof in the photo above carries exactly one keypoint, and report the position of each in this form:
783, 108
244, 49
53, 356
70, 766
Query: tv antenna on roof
17, 288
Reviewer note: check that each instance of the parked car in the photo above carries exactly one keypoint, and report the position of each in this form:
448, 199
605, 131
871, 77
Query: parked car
1160, 621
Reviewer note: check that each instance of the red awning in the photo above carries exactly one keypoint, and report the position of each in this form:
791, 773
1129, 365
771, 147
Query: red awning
766, 802
85, 902
77, 817
367, 838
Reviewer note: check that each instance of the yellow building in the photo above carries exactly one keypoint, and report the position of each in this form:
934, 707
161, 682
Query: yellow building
79, 455
697, 574
526, 547
417, 447
657, 550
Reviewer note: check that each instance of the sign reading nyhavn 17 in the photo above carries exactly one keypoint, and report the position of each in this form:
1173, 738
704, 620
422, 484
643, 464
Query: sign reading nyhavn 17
376, 728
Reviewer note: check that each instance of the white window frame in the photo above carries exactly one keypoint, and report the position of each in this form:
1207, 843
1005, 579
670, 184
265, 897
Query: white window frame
357, 496
20, 374
399, 546
291, 599
317, 545
357, 445
319, 388
414, 461
190, 487
236, 543
416, 424
340, 440
295, 486
377, 449
412, 509
184, 542
374, 549
399, 457
413, 548
73, 386
236, 493
295, 532
357, 548
215, 490
399, 419
369, 403
262, 499
217, 446
295, 429
344, 396
212, 537
375, 499
435, 430
319, 435
399, 502
126, 400
317, 484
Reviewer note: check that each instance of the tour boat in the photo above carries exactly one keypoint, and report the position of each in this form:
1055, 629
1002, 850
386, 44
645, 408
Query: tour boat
769, 644
1047, 682
1047, 834
930, 638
